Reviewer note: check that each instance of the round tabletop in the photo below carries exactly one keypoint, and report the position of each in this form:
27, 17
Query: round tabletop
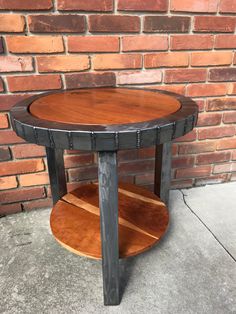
99, 119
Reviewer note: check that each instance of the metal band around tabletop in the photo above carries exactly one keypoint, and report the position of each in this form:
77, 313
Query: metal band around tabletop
107, 137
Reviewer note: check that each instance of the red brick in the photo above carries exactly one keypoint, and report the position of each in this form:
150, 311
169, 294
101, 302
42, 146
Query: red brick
166, 59
211, 180
196, 90
83, 173
189, 137
23, 166
226, 144
66, 63
4, 154
15, 64
212, 158
124, 155
143, 179
166, 24
225, 41
8, 183
138, 166
117, 61
9, 209
140, 5
56, 23
25, 5
201, 171
179, 89
40, 178
182, 161
221, 104
203, 6
4, 124
78, 160
227, 6
33, 82
93, 44
181, 184
7, 101
139, 77
84, 5
1, 45
234, 155
198, 147
22, 195
201, 104
9, 137
82, 80
174, 149
12, 23
1, 85
216, 132
222, 74
114, 24
27, 151
185, 75
233, 166
211, 58
144, 43
37, 204
229, 117
191, 42
126, 179
144, 153
209, 119
232, 89
35, 44
226, 167
214, 24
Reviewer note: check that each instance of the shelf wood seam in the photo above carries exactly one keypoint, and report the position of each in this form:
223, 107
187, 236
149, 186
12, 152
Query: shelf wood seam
73, 200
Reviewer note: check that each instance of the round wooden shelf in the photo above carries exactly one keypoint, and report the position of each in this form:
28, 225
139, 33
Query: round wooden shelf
75, 221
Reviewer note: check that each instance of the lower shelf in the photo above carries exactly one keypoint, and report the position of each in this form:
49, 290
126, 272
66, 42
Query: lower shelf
75, 221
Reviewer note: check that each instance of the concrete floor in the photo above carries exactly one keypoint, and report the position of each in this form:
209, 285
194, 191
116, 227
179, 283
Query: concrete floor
192, 270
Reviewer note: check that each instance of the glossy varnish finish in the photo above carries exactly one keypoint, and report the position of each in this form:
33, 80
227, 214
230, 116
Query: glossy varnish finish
75, 223
104, 106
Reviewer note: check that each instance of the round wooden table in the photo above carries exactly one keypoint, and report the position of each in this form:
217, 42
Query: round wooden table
88, 220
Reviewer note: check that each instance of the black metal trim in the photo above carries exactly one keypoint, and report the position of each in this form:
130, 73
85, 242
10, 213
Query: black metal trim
85, 137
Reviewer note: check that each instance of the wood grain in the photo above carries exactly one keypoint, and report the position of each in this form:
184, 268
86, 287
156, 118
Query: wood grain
104, 106
75, 221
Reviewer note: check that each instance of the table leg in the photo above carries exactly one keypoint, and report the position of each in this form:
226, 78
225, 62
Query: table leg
108, 202
56, 172
163, 171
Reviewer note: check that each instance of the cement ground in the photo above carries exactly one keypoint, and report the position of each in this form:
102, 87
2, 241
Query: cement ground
191, 271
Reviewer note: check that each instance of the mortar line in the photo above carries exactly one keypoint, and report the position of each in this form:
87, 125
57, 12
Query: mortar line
203, 223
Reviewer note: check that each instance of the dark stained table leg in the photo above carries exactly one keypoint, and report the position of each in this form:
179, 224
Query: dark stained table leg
108, 202
163, 171
56, 171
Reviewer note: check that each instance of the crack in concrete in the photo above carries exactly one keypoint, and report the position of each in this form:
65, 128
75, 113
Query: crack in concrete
221, 244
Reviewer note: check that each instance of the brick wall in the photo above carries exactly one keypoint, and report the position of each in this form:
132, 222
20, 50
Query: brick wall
181, 46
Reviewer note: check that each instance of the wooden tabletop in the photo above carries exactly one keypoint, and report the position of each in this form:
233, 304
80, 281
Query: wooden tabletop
104, 106
101, 119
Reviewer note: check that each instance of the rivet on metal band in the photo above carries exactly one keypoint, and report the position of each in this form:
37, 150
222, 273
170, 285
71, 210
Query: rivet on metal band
174, 130
93, 140
158, 134
117, 140
35, 135
70, 140
138, 138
